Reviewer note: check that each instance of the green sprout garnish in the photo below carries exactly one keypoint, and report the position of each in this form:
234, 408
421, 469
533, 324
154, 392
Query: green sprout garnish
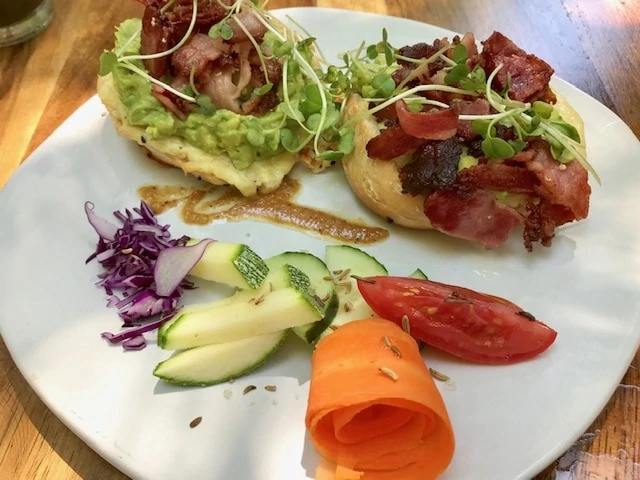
369, 71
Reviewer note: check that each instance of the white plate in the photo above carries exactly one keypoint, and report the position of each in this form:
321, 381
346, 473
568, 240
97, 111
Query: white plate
510, 422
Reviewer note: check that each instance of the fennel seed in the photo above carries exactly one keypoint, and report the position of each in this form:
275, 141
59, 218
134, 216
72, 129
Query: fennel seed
392, 347
195, 422
367, 280
248, 388
344, 274
438, 375
270, 388
405, 324
389, 373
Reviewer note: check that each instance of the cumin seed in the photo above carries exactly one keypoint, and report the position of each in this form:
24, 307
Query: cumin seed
195, 422
325, 298
438, 375
343, 275
367, 280
406, 326
259, 300
328, 279
248, 388
337, 272
456, 300
389, 373
392, 347
346, 285
270, 388
270, 287
526, 315
333, 327
348, 307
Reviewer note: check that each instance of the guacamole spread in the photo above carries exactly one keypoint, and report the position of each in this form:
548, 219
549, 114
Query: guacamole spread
243, 138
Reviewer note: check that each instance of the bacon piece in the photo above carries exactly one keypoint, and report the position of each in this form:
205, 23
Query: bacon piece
387, 113
434, 166
561, 184
469, 41
472, 216
219, 83
498, 176
479, 106
167, 99
529, 74
209, 13
428, 125
156, 36
254, 26
391, 143
199, 51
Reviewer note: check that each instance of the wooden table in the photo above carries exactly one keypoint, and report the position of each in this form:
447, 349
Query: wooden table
594, 44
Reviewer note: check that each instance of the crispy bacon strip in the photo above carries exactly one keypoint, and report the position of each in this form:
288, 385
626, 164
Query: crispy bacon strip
428, 125
473, 216
391, 143
498, 176
197, 53
529, 74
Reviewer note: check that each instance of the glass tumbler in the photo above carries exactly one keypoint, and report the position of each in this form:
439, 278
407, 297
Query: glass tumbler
21, 20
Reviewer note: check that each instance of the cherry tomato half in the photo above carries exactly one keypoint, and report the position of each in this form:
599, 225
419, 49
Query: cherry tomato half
474, 326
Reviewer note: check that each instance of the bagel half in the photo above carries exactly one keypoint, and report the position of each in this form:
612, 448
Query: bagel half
261, 176
376, 182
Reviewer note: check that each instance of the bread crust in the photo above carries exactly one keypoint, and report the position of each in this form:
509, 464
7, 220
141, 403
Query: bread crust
263, 176
376, 182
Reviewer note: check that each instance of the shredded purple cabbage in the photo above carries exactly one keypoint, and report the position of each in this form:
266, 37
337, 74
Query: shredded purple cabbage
128, 254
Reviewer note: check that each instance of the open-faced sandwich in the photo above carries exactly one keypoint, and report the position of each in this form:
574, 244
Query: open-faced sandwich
220, 89
471, 143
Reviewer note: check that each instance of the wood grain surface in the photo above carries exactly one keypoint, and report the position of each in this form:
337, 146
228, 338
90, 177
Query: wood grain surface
594, 44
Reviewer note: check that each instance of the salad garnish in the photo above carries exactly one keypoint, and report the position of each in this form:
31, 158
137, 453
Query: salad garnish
368, 72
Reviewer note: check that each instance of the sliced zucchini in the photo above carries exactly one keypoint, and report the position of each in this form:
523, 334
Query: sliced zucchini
233, 264
289, 304
419, 274
321, 284
344, 261
212, 364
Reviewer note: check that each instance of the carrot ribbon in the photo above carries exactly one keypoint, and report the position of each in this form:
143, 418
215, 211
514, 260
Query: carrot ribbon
374, 412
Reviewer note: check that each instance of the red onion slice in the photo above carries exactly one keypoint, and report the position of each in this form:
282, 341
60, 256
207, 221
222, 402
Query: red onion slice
103, 227
174, 264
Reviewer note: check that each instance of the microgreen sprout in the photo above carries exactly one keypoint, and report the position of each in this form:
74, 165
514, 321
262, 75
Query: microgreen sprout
367, 76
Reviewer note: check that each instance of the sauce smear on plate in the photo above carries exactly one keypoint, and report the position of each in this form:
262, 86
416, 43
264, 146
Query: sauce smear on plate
199, 207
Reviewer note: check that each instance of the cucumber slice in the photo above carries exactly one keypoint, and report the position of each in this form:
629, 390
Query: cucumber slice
352, 306
232, 264
289, 304
419, 274
213, 364
321, 284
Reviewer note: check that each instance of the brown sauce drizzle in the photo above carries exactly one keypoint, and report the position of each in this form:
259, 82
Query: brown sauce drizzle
200, 207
